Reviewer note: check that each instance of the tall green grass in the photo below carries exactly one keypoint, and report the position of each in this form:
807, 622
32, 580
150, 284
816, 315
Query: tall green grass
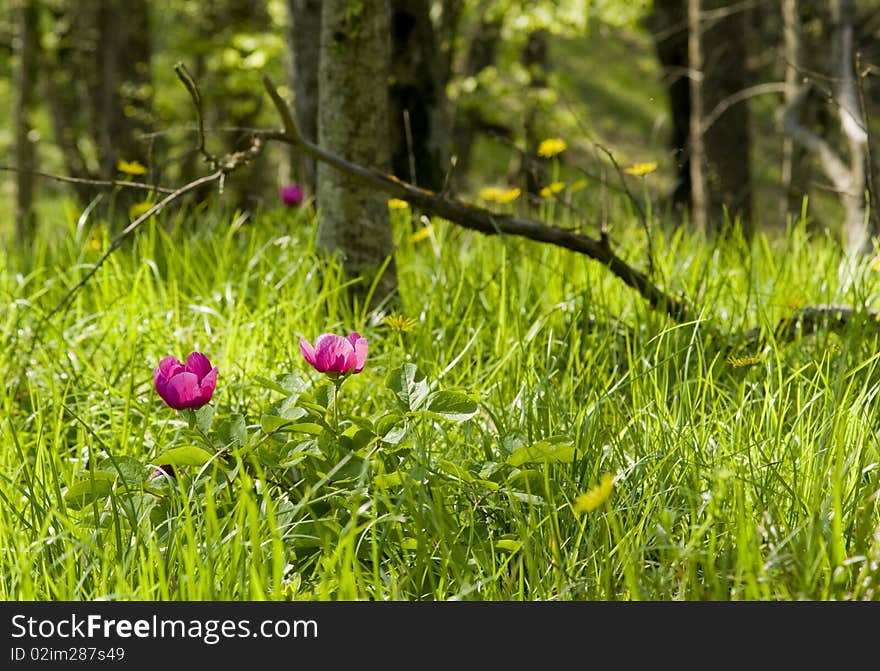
745, 469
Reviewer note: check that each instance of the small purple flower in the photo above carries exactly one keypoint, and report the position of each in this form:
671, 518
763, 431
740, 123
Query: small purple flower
183, 386
336, 354
291, 194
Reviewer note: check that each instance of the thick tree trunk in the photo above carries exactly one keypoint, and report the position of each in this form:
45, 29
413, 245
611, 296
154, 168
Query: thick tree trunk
353, 122
417, 97
670, 33
717, 56
27, 48
303, 39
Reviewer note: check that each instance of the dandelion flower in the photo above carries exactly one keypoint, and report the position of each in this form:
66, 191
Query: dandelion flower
138, 209
131, 167
577, 186
397, 204
589, 501
551, 189
639, 169
551, 147
400, 323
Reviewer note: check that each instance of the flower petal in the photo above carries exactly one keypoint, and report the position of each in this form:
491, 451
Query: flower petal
308, 352
360, 354
198, 363
182, 391
333, 354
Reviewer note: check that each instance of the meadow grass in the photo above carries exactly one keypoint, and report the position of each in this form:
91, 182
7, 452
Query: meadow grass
744, 469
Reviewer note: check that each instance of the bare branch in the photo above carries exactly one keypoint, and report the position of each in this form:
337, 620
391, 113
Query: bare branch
94, 182
480, 219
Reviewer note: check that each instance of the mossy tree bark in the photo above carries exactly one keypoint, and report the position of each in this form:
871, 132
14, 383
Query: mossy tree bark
353, 220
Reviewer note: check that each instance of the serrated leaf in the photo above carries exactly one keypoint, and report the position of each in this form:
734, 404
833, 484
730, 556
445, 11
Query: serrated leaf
542, 452
184, 456
84, 492
452, 405
132, 471
409, 386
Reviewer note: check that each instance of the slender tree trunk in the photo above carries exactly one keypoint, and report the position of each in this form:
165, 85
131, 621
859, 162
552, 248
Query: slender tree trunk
853, 126
303, 39
534, 60
417, 98
353, 121
27, 47
699, 196
793, 168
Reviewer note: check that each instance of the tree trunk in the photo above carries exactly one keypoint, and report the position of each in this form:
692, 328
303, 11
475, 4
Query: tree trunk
303, 39
353, 121
66, 91
670, 33
124, 110
794, 169
534, 60
27, 48
417, 97
717, 56
483, 45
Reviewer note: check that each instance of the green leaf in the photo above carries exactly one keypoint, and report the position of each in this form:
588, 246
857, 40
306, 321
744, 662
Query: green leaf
233, 431
184, 456
542, 452
388, 480
204, 417
409, 386
132, 471
456, 471
288, 384
508, 544
84, 492
323, 395
452, 405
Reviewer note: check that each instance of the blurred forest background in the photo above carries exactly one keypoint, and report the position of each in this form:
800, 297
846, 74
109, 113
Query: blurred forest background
720, 110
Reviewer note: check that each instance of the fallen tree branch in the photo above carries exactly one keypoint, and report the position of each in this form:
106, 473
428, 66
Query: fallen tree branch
480, 219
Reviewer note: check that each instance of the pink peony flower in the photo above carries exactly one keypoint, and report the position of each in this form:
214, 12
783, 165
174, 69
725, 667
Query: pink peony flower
166, 469
336, 354
292, 194
185, 386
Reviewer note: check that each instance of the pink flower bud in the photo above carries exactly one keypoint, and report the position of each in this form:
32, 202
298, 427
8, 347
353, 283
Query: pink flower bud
335, 353
183, 386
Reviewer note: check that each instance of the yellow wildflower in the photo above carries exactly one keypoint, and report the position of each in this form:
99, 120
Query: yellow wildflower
639, 169
578, 185
397, 204
589, 501
551, 147
875, 266
400, 323
742, 361
498, 195
421, 234
550, 189
131, 167
138, 209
